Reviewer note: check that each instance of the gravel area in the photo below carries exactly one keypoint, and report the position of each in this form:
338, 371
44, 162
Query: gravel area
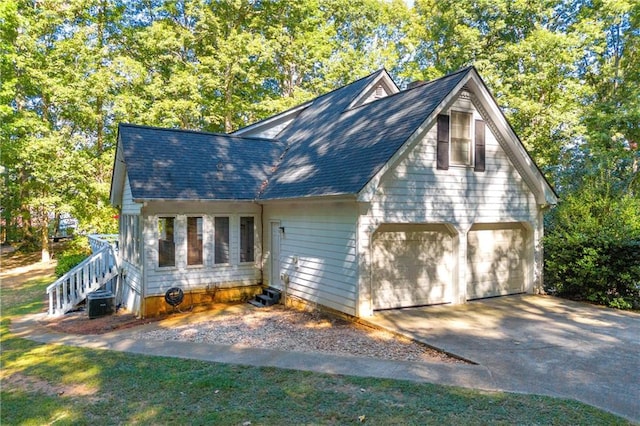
280, 328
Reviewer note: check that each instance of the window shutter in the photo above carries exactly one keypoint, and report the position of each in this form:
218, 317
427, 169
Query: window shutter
480, 150
443, 142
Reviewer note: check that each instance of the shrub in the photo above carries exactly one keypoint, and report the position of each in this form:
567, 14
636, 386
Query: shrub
77, 250
68, 262
596, 268
592, 248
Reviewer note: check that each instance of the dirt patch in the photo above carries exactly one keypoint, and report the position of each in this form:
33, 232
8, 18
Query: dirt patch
20, 382
78, 322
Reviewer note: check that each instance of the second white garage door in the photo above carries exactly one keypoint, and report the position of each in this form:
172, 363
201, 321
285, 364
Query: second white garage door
411, 266
496, 259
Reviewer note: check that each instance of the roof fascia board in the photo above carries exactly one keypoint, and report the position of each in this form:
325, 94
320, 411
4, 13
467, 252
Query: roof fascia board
368, 191
309, 199
272, 121
118, 176
513, 146
313, 199
383, 78
192, 200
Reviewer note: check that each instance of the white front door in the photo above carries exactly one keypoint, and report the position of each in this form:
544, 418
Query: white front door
274, 263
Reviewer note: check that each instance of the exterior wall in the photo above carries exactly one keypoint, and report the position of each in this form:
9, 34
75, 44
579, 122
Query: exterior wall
415, 191
128, 205
209, 278
131, 293
318, 257
131, 269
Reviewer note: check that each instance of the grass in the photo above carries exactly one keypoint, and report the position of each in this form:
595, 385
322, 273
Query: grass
44, 384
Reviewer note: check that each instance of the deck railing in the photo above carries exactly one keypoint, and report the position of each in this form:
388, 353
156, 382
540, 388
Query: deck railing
93, 273
98, 241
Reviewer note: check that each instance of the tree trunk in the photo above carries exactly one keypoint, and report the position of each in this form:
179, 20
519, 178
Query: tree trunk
44, 237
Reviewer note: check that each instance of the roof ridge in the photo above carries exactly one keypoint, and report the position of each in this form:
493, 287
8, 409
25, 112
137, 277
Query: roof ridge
198, 132
401, 92
435, 80
350, 84
310, 102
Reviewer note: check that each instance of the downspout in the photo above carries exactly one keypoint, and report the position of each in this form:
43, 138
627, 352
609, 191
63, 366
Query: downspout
142, 260
261, 243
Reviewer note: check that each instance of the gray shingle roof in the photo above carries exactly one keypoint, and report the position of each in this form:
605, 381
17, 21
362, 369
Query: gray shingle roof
328, 149
187, 165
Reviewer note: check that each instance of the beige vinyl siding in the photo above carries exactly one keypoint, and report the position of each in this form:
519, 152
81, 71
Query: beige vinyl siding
317, 251
191, 277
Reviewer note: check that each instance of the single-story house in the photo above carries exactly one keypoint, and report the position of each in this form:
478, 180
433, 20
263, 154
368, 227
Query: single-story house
366, 198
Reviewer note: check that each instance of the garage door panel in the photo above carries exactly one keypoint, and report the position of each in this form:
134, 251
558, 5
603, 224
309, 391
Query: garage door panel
393, 295
496, 260
411, 267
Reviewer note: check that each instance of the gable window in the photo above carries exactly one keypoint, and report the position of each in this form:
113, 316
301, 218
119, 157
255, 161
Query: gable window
166, 242
460, 141
221, 240
246, 239
194, 241
460, 147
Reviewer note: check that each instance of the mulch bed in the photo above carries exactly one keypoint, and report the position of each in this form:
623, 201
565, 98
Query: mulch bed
78, 322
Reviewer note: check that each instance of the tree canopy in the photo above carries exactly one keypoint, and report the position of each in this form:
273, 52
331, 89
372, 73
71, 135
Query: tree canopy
565, 73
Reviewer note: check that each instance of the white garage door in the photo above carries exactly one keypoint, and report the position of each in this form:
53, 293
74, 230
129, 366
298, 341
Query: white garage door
411, 266
496, 260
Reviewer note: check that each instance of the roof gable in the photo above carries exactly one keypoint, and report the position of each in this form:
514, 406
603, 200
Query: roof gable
381, 87
495, 119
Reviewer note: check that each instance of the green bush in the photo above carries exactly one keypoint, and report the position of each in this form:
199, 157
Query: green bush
592, 246
596, 268
76, 251
68, 262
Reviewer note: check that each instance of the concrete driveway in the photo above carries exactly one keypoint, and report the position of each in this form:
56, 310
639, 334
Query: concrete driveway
538, 344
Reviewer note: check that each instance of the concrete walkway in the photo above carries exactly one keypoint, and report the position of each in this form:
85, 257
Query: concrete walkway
527, 344
537, 344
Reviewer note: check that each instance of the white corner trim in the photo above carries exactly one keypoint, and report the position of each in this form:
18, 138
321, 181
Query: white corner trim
118, 177
508, 140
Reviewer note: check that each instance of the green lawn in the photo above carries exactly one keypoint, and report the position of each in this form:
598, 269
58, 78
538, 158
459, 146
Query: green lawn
46, 384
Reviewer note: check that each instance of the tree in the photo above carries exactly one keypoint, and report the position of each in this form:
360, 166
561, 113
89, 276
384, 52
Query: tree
50, 116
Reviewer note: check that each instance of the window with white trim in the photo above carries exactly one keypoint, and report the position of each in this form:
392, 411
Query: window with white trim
246, 239
221, 240
460, 146
130, 238
166, 242
460, 141
194, 241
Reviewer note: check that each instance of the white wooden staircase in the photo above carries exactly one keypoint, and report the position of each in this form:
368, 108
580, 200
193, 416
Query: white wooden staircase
95, 272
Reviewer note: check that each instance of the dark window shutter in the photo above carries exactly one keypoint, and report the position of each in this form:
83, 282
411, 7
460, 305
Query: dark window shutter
443, 142
480, 150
